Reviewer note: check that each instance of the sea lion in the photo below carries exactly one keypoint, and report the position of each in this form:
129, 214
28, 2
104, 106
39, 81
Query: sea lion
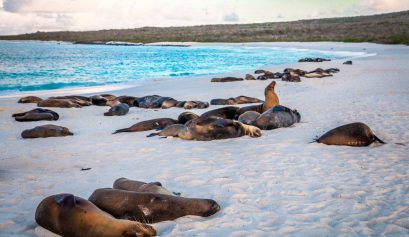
81, 100
195, 104
147, 125
98, 100
169, 103
271, 98
226, 79
118, 110
261, 71
349, 62
248, 117
142, 187
209, 128
67, 215
313, 60
353, 134
249, 77
150, 207
186, 116
36, 115
48, 130
29, 99
242, 110
291, 77
267, 75
152, 101
228, 112
129, 100
277, 117
317, 75
59, 103
237, 100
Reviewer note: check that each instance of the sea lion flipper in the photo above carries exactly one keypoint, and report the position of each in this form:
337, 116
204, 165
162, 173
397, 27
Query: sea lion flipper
153, 134
379, 140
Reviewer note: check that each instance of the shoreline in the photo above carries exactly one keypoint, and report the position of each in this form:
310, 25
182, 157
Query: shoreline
127, 85
279, 183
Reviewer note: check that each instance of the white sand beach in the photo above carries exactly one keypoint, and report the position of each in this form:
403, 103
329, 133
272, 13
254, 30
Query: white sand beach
277, 185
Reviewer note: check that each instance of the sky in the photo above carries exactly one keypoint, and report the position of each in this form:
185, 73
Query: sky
27, 16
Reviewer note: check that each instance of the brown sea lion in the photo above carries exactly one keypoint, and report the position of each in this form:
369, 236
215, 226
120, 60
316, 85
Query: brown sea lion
249, 77
169, 103
81, 100
137, 186
277, 117
353, 134
147, 125
68, 215
150, 207
129, 100
226, 79
59, 103
228, 112
186, 116
237, 100
48, 130
209, 128
36, 115
271, 98
118, 110
29, 99
195, 104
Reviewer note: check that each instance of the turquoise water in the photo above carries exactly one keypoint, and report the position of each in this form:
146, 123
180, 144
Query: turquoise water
29, 66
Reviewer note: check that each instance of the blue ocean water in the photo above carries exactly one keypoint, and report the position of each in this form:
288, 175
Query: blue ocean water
29, 65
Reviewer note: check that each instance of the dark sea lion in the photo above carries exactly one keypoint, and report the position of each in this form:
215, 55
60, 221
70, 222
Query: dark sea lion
36, 115
151, 101
226, 79
142, 187
29, 99
68, 215
248, 117
129, 100
209, 128
261, 71
237, 100
267, 75
48, 130
150, 207
353, 134
271, 98
291, 77
277, 117
242, 110
118, 110
228, 112
349, 62
249, 77
59, 103
98, 100
147, 125
186, 116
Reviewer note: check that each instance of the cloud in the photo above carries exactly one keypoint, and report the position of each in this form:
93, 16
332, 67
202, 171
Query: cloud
385, 5
232, 17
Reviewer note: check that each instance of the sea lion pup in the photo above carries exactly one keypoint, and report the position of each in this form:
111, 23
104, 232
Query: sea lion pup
150, 207
226, 79
151, 101
118, 110
353, 134
277, 117
248, 117
29, 99
209, 128
59, 103
186, 117
48, 130
147, 125
67, 215
137, 186
81, 100
129, 100
228, 112
36, 115
195, 104
271, 98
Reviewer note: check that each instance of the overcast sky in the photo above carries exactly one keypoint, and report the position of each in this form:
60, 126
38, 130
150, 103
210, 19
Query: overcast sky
26, 16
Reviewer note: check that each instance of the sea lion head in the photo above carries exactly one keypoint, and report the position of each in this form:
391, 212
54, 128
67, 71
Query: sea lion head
297, 115
270, 87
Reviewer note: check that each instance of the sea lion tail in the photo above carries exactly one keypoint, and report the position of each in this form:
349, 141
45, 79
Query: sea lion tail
121, 130
153, 134
379, 140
